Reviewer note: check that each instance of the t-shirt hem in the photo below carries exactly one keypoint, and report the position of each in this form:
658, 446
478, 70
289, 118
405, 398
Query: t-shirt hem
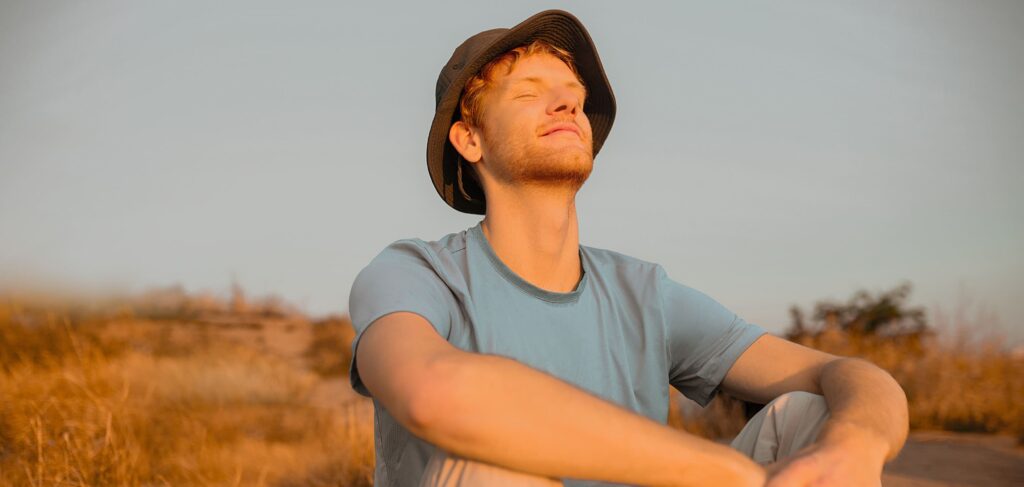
725, 360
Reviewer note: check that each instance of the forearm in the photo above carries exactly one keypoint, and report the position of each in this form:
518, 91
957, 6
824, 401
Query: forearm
866, 405
500, 411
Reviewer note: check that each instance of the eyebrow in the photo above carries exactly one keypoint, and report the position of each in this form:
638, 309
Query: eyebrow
536, 80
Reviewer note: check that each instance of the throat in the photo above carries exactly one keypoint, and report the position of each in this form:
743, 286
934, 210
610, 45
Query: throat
544, 253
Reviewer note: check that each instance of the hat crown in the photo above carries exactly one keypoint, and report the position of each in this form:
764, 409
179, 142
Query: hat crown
463, 55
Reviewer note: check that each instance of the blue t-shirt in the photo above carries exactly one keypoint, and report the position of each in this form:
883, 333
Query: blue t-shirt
622, 334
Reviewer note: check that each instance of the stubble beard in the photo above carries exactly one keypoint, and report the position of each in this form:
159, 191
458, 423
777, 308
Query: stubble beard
562, 167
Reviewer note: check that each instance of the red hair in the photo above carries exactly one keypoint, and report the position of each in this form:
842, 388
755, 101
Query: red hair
471, 104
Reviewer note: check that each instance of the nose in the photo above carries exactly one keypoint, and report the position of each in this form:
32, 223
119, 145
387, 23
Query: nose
564, 100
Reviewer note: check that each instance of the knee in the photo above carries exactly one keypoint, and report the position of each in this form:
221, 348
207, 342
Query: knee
801, 396
802, 400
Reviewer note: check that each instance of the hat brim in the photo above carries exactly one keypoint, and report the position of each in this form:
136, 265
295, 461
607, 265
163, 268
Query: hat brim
557, 27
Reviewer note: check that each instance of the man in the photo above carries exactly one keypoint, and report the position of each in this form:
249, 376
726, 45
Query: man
509, 354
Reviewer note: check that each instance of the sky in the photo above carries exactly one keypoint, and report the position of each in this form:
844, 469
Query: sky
769, 154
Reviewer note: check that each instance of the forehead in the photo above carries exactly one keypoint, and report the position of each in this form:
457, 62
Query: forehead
540, 68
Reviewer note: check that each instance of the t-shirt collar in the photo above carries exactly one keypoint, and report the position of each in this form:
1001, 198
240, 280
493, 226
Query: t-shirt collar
476, 234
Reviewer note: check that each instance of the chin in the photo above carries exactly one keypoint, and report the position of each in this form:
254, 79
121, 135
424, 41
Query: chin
566, 166
567, 170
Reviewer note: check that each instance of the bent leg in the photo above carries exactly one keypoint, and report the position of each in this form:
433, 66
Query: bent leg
446, 470
784, 426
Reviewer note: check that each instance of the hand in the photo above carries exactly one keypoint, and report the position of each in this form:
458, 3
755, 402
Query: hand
851, 463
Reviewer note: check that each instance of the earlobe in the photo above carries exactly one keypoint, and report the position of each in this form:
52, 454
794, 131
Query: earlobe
465, 140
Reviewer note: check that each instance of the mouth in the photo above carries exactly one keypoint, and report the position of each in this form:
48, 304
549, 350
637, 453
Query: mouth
563, 128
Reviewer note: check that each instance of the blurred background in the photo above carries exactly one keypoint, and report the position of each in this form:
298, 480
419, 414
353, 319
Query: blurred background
187, 191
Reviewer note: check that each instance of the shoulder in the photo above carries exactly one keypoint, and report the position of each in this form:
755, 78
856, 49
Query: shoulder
415, 250
626, 267
414, 266
409, 274
612, 258
639, 273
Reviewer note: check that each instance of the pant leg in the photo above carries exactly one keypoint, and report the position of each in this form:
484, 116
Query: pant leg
784, 426
446, 470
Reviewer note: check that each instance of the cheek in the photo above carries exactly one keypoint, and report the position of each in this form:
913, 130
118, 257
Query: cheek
585, 126
507, 123
523, 125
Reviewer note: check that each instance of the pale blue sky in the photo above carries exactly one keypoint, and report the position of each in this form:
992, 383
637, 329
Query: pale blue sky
766, 153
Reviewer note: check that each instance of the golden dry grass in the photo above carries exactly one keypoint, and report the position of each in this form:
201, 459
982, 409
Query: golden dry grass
144, 392
106, 399
330, 350
952, 382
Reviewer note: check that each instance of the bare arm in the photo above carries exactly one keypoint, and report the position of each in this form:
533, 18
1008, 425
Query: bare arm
866, 402
497, 410
867, 408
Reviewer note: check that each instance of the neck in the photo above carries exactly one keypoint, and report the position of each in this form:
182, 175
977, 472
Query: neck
533, 230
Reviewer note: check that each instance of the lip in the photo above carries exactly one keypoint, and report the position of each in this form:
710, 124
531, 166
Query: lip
568, 127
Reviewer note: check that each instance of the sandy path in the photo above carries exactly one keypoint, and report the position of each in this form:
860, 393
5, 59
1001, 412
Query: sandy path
938, 458
944, 459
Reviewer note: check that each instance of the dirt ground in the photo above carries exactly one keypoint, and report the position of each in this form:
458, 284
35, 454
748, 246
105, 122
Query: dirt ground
940, 458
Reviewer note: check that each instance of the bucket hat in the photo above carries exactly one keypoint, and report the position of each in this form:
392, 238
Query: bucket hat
557, 27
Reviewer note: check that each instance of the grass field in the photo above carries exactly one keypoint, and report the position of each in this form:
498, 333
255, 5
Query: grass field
951, 384
130, 395
170, 389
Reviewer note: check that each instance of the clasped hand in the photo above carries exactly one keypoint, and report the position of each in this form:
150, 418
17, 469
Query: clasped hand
841, 464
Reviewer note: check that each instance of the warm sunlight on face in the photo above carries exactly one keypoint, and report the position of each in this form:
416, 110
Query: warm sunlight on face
534, 128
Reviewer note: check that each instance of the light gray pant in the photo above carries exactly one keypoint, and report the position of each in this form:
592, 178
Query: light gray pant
784, 426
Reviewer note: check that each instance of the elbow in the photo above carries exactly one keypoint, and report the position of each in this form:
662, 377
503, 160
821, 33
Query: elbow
882, 380
888, 378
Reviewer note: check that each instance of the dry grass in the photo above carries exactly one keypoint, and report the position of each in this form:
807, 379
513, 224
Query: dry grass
723, 418
106, 399
329, 353
958, 379
144, 392
950, 385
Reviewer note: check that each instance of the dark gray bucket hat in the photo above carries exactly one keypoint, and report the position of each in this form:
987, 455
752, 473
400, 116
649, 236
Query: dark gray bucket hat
557, 27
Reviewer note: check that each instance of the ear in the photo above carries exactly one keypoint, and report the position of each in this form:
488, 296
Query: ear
466, 140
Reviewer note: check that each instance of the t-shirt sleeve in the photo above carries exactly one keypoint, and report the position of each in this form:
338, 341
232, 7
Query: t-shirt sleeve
398, 279
704, 339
